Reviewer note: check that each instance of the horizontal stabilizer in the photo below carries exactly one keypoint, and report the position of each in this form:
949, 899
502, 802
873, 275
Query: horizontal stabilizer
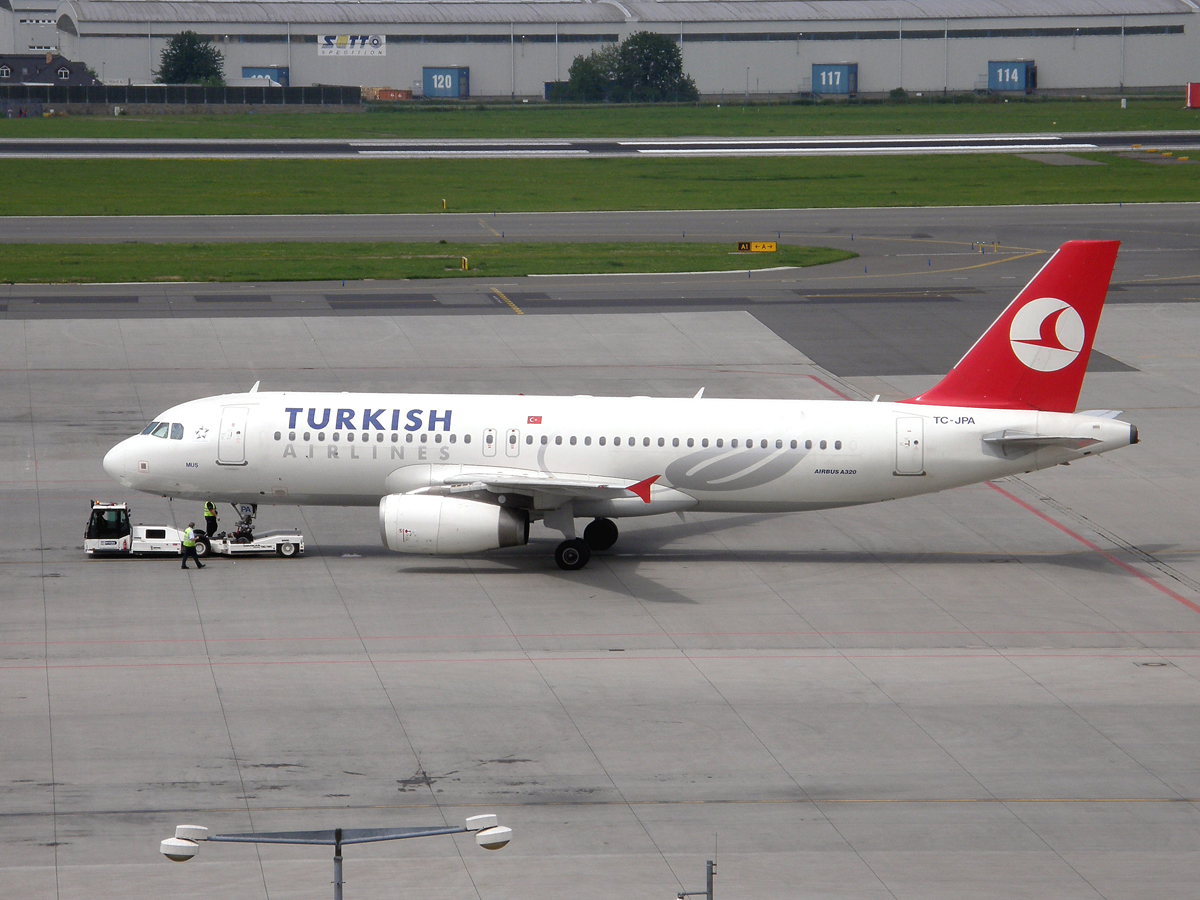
1017, 443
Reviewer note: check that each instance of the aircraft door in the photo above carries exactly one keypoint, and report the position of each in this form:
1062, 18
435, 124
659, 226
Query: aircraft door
231, 439
489, 442
512, 442
910, 446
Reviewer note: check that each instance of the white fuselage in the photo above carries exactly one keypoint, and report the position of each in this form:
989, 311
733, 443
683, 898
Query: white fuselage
710, 454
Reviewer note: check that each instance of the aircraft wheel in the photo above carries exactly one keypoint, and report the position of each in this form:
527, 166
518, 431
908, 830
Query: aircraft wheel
287, 548
572, 555
203, 548
600, 534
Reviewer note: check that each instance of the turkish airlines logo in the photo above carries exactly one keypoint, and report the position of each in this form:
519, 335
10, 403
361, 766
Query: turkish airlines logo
1046, 334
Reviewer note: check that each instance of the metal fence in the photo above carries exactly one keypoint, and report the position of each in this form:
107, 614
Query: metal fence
180, 94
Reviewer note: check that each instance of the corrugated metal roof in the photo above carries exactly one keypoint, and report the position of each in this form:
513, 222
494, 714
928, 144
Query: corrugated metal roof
470, 12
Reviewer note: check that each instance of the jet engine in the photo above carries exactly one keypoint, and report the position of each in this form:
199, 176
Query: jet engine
425, 523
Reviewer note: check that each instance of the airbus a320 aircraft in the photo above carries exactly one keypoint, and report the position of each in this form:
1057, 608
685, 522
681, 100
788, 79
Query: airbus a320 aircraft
461, 473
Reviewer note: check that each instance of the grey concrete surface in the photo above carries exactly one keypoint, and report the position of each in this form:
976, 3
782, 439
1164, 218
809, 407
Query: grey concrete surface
937, 698
550, 148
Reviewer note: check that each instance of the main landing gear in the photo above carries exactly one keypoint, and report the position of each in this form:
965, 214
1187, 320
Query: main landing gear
574, 553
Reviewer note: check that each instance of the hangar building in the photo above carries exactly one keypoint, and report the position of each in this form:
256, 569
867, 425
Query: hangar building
499, 48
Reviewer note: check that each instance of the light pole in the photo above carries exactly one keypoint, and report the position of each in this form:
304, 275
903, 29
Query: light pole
488, 834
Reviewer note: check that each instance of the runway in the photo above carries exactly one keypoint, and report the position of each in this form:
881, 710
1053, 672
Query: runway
396, 148
987, 693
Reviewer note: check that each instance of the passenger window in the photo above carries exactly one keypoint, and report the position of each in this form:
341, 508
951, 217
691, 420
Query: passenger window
720, 442
320, 435
162, 430
572, 440
467, 439
349, 436
149, 428
408, 438
824, 445
425, 438
763, 444
691, 442
308, 435
453, 438
616, 441
674, 442
778, 445
602, 440
661, 442
437, 438
277, 435
646, 442
732, 443
291, 435
558, 440
379, 438
395, 437
808, 445
632, 441
704, 443
176, 431
528, 439
837, 445
545, 439
793, 445
587, 441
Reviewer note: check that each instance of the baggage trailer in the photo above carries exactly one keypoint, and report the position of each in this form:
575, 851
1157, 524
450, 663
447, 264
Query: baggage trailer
110, 533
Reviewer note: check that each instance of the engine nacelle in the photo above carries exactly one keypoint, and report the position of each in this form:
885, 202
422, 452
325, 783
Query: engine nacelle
425, 523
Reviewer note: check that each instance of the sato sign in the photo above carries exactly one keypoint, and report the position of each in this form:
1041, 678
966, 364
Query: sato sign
446, 82
1019, 75
839, 78
351, 45
756, 246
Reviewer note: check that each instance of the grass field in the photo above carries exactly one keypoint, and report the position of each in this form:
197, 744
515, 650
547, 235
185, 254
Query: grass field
205, 187
91, 263
421, 121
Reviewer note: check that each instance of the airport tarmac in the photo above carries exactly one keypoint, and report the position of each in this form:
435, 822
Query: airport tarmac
546, 148
986, 693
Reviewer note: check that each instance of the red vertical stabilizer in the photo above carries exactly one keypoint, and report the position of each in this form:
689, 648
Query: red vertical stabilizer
1034, 356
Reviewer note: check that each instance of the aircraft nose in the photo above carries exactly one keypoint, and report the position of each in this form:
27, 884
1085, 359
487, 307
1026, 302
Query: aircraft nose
116, 463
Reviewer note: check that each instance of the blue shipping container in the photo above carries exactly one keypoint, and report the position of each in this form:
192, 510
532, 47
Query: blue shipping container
1019, 75
838, 78
449, 82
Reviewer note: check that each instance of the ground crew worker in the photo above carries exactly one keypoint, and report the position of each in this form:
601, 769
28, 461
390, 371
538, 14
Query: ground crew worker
189, 546
210, 518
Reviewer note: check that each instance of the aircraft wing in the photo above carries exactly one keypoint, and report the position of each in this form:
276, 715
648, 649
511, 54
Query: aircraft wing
568, 487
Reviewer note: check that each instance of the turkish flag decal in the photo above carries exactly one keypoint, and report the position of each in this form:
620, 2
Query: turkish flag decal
534, 420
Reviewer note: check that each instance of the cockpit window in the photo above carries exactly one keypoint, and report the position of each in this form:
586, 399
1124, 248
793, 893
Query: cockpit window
176, 431
149, 428
161, 430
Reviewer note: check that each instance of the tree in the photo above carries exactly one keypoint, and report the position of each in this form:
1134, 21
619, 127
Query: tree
650, 67
188, 59
645, 67
591, 77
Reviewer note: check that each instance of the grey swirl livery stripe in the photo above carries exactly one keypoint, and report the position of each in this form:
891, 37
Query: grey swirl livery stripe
731, 470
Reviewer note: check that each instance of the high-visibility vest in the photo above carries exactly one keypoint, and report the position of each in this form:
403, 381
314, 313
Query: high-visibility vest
210, 511
189, 538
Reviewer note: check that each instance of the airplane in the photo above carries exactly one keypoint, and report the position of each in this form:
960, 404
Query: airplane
462, 473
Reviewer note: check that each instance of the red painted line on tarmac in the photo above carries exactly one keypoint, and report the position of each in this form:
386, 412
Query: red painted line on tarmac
1112, 559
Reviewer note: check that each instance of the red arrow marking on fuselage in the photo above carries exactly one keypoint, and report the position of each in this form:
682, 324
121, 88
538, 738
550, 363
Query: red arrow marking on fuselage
642, 488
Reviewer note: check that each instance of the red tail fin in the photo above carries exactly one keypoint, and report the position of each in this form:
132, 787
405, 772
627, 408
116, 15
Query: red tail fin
1034, 356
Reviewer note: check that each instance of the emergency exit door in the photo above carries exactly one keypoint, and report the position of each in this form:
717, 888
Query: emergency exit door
910, 446
512, 442
489, 442
231, 440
